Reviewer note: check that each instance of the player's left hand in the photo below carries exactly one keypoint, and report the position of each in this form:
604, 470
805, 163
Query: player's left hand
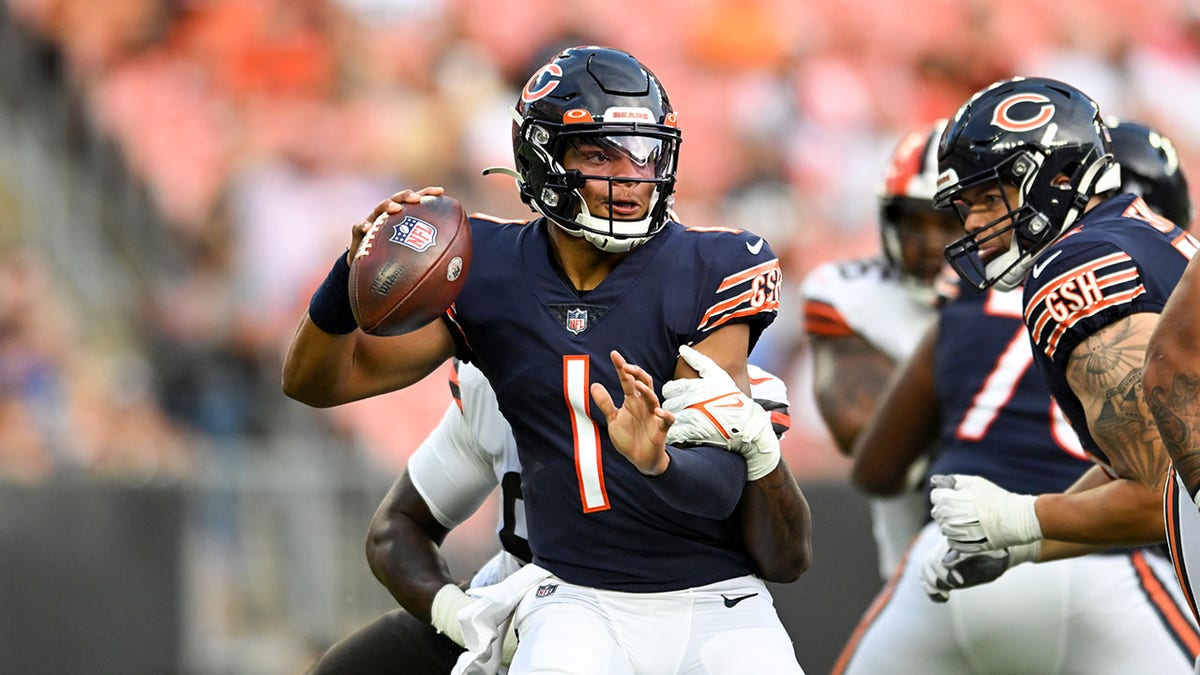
638, 429
946, 569
712, 410
976, 515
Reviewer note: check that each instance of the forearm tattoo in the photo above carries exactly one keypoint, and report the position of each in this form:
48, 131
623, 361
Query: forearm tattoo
1106, 372
1176, 410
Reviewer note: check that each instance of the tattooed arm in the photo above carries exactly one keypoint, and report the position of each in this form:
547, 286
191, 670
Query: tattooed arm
1172, 376
849, 376
1105, 372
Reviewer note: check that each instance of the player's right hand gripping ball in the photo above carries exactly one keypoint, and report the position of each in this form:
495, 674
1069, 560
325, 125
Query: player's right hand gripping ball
410, 266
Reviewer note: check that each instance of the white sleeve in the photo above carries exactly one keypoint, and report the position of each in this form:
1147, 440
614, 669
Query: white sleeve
451, 472
766, 388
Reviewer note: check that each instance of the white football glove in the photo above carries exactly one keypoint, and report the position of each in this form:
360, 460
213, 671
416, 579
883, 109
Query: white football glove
711, 410
947, 569
977, 515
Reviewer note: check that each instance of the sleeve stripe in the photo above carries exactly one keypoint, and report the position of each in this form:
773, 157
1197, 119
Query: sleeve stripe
772, 406
822, 318
780, 423
826, 328
747, 274
1115, 278
1053, 284
726, 305
452, 316
749, 311
1118, 299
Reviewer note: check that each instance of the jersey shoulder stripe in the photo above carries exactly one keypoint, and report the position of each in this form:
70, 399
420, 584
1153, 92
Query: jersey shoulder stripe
747, 274
1078, 290
758, 288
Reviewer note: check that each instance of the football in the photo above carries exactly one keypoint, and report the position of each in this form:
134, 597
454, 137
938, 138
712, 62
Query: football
410, 266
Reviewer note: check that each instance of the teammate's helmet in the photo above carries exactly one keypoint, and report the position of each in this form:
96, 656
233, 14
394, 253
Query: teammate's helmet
1150, 168
906, 208
608, 97
1041, 136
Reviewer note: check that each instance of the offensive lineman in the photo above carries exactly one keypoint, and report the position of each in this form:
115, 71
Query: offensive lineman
969, 392
1027, 165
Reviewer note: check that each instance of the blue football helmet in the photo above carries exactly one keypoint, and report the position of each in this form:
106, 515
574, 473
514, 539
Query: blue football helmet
603, 97
1041, 136
1150, 167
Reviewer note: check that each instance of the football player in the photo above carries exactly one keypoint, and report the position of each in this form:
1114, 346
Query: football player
1150, 167
863, 317
638, 546
1027, 164
464, 458
969, 392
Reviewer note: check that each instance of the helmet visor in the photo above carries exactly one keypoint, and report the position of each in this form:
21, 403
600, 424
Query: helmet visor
627, 155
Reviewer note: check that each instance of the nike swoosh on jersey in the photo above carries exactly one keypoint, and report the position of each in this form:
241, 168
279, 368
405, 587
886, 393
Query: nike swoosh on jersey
1038, 267
730, 602
755, 247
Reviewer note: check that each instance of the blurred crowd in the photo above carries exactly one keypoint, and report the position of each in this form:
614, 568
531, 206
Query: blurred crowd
262, 129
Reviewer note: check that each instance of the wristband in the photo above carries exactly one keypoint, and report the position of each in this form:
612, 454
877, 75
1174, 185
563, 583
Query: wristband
329, 309
1023, 553
1025, 524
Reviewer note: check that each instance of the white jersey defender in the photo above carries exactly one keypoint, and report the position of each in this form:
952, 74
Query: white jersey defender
868, 298
472, 450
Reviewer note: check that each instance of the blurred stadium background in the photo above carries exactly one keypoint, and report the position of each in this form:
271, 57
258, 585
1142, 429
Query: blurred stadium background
163, 508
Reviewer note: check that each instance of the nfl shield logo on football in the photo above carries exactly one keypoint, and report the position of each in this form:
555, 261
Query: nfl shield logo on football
414, 233
576, 320
546, 590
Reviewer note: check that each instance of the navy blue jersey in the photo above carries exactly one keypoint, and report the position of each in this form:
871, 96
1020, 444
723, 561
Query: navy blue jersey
998, 420
1121, 259
593, 520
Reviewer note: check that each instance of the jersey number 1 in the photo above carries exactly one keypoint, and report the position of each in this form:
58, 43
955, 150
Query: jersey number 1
589, 467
